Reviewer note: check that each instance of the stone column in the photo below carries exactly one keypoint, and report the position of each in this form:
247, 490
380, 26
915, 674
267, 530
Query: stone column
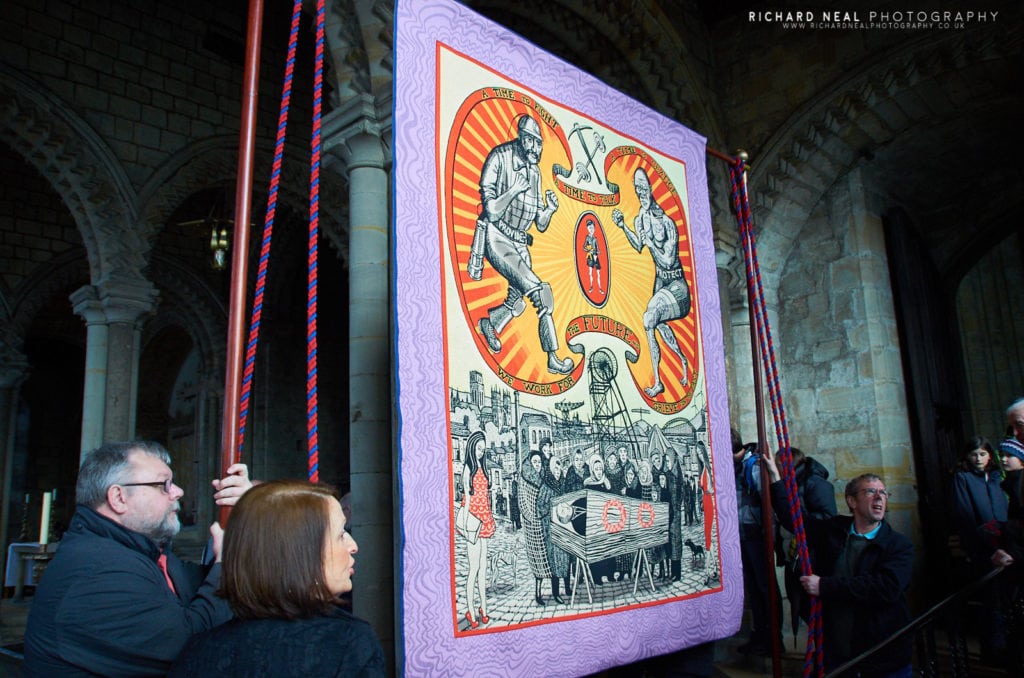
12, 375
87, 305
124, 303
354, 135
863, 302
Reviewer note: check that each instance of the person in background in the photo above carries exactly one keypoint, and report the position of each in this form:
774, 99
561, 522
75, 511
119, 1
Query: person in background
531, 477
675, 516
758, 575
550, 490
576, 473
598, 481
287, 559
981, 508
632, 488
1015, 419
819, 500
1011, 453
115, 601
1010, 555
978, 501
613, 472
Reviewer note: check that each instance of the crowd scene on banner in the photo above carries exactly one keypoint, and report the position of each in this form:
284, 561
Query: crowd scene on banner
116, 601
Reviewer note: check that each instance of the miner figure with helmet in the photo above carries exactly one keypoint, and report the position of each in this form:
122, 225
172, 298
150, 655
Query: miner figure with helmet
512, 201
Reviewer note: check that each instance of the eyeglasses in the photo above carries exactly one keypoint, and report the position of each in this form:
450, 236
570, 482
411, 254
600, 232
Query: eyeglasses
164, 485
874, 491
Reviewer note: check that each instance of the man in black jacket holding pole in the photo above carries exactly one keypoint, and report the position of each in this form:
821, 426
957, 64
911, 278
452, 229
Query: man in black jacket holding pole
114, 601
863, 572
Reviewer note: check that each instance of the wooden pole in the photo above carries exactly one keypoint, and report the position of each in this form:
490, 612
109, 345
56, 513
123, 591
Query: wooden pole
767, 524
229, 452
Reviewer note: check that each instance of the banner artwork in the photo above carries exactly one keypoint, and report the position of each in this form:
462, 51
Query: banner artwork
574, 473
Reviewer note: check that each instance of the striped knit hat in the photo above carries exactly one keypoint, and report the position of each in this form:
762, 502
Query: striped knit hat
1013, 447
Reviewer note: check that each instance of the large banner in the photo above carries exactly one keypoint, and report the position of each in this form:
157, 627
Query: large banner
566, 486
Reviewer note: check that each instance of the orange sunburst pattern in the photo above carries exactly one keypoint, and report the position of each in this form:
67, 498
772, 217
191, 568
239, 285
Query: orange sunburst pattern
488, 118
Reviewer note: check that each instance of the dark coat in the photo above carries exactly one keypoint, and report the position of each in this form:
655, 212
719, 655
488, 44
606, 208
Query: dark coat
979, 504
748, 495
1012, 487
816, 492
818, 499
876, 594
337, 644
574, 481
103, 605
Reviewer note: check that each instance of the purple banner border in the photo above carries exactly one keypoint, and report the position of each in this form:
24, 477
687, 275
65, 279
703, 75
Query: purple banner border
573, 647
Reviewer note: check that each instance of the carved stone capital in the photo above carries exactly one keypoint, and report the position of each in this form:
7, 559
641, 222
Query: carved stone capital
355, 132
126, 300
86, 304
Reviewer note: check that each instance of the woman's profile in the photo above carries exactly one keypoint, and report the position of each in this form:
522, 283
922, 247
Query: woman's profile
477, 499
287, 559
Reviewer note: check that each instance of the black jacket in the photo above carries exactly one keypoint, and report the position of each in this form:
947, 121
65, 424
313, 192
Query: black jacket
103, 606
979, 506
817, 496
817, 493
337, 644
876, 594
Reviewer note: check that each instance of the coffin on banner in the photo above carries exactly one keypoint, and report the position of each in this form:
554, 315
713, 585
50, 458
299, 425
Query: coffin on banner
565, 471
593, 525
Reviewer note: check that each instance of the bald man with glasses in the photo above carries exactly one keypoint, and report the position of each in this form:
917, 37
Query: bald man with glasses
115, 601
862, 569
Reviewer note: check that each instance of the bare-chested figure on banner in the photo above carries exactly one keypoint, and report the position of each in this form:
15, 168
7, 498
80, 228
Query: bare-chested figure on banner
671, 298
510, 190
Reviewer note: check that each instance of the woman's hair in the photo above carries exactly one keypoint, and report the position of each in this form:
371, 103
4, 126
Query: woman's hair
979, 443
471, 461
274, 551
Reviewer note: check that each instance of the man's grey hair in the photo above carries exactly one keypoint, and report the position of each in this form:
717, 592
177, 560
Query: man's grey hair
1019, 402
853, 486
107, 465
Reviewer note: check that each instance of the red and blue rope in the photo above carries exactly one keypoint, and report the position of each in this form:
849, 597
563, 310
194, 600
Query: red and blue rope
813, 657
312, 432
268, 231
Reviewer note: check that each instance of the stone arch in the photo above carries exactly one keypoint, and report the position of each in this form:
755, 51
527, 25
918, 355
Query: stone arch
63, 272
360, 40
188, 301
847, 125
215, 161
81, 168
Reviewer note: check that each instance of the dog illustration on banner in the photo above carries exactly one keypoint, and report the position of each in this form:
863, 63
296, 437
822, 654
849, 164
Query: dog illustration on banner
586, 483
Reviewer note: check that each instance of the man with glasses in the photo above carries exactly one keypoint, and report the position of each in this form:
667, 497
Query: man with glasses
862, 572
115, 601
